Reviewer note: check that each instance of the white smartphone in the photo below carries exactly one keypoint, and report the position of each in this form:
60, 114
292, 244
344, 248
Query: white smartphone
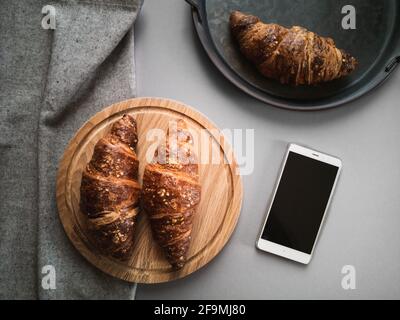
299, 203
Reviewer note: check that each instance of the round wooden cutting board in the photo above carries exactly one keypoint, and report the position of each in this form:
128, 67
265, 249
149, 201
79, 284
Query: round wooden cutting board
217, 213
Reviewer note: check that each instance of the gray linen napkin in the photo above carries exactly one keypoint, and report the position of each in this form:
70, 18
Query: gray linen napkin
51, 82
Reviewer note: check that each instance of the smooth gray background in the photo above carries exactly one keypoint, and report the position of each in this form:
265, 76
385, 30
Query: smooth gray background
362, 228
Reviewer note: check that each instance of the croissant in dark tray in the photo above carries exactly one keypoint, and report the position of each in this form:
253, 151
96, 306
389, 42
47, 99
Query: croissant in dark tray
110, 190
171, 194
292, 56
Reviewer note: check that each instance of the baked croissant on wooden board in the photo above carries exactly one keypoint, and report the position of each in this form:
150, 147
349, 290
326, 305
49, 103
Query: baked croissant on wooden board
292, 56
171, 193
110, 190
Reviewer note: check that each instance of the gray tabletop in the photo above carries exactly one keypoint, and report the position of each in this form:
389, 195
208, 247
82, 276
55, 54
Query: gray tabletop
362, 228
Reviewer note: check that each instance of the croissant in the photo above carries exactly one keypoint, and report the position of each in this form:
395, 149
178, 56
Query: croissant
171, 193
292, 56
110, 190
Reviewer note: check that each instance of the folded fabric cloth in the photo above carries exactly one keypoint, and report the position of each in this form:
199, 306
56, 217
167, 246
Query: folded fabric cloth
51, 82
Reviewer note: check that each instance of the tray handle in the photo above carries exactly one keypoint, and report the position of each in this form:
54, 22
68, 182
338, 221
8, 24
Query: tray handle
195, 4
392, 64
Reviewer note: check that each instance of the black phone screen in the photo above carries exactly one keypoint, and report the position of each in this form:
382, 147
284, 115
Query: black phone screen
300, 202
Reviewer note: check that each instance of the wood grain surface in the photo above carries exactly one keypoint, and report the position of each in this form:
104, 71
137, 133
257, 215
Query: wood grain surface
218, 211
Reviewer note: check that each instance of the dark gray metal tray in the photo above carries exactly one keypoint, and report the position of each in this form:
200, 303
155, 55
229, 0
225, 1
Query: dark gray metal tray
375, 43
